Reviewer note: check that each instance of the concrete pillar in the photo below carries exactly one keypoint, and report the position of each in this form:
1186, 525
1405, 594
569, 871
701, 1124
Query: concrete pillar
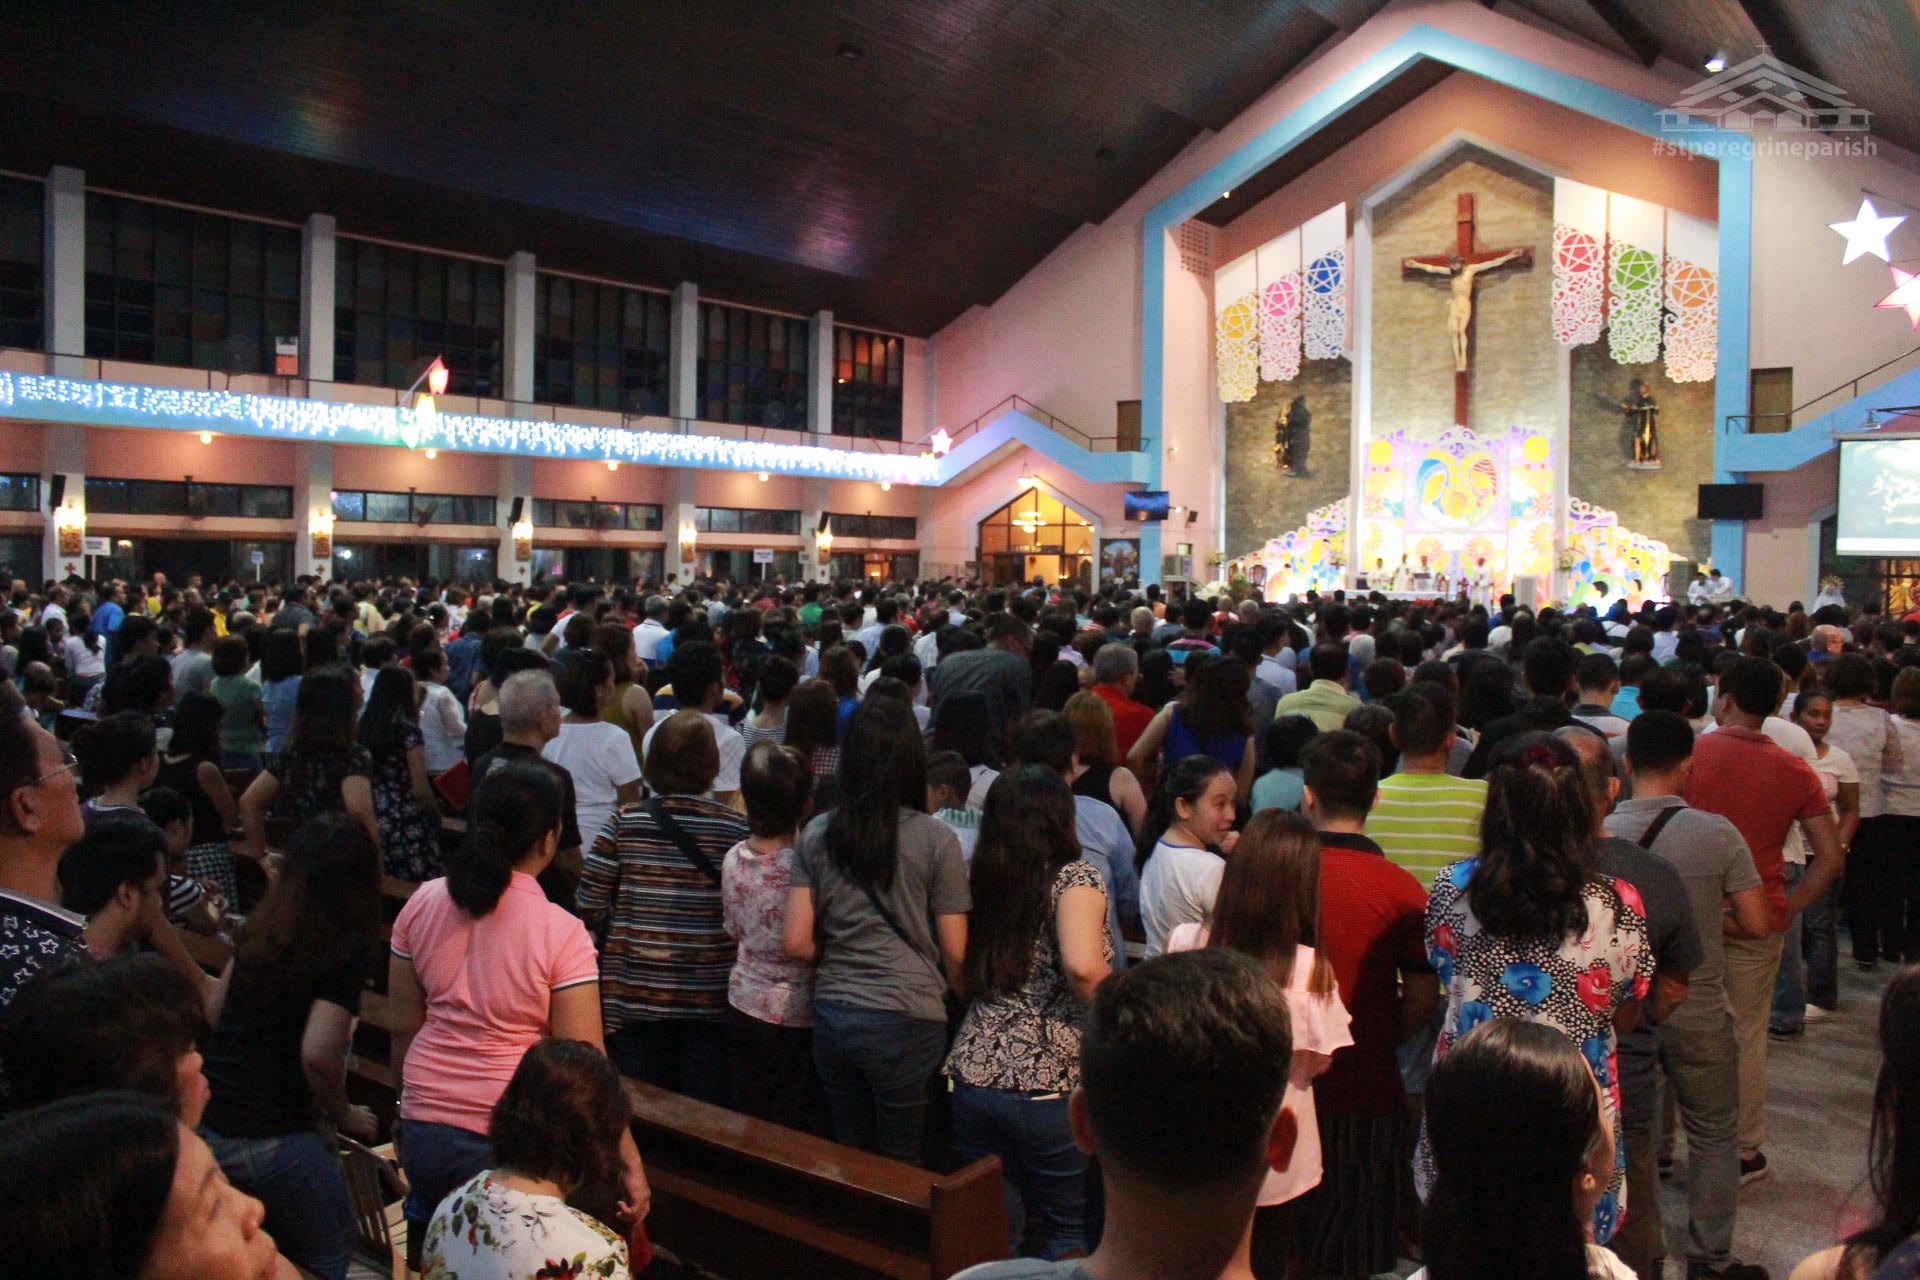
516, 482
815, 501
65, 315
318, 263
66, 455
516, 352
820, 365
679, 519
683, 377
313, 493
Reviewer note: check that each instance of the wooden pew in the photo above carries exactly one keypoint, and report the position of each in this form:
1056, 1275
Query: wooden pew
741, 1197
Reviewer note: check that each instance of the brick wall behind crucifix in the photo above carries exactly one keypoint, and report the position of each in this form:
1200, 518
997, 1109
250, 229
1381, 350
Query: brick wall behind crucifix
1513, 357
1264, 502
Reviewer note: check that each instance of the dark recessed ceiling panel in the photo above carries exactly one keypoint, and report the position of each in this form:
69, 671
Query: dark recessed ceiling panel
897, 162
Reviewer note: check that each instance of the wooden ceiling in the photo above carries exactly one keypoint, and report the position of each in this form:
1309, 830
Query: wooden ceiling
897, 161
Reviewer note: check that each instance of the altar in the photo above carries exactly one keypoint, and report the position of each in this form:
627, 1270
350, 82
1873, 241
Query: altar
1482, 386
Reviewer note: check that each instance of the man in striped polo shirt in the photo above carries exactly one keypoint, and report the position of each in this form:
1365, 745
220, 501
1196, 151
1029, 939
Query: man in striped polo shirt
1426, 820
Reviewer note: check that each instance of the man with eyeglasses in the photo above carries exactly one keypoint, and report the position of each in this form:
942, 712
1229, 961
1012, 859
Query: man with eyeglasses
39, 818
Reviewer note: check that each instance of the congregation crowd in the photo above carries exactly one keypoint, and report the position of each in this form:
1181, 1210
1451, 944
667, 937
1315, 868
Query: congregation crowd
1272, 939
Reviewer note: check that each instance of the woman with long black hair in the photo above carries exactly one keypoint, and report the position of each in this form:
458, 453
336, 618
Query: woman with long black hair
879, 899
322, 769
1530, 929
1522, 1153
1037, 947
1209, 719
402, 793
284, 1023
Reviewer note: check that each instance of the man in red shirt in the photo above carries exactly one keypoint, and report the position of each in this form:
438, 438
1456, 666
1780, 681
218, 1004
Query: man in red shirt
1116, 669
1763, 789
1373, 933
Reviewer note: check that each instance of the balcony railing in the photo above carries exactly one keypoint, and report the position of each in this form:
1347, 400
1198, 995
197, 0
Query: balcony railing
1093, 444
1774, 423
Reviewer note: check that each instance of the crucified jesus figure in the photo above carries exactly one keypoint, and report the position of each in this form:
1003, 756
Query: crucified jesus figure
1460, 304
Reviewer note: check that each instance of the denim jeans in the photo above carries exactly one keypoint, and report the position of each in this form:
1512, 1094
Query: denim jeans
1703, 1077
1039, 1161
297, 1177
877, 1066
687, 1056
1820, 948
1789, 1016
437, 1159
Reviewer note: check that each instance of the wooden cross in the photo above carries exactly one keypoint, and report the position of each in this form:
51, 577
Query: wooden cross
1462, 266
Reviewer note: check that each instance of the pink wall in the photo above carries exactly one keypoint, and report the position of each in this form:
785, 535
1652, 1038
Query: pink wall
1783, 549
171, 455
1589, 150
22, 446
397, 470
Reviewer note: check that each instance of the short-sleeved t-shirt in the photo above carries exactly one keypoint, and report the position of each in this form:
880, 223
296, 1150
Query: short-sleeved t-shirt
1762, 789
1372, 914
260, 1088
1426, 822
599, 757
1177, 886
1674, 939
489, 987
1712, 861
1836, 769
865, 963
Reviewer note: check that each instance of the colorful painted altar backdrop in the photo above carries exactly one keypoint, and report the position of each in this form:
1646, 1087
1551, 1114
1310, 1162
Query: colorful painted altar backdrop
1451, 502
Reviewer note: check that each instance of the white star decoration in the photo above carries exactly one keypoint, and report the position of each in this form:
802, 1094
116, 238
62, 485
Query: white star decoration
1867, 233
1905, 295
941, 442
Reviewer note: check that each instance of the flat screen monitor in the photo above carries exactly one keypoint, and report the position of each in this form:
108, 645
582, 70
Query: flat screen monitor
1879, 512
1147, 504
1731, 501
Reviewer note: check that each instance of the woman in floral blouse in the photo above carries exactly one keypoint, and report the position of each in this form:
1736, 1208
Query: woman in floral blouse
556, 1136
1530, 930
1037, 948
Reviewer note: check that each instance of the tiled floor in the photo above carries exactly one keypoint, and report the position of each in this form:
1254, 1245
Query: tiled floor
1819, 1101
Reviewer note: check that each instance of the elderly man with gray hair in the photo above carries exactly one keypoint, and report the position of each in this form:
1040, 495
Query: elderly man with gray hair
652, 629
529, 720
1116, 670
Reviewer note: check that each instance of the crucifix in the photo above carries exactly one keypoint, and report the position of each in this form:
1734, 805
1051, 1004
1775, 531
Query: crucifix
1461, 267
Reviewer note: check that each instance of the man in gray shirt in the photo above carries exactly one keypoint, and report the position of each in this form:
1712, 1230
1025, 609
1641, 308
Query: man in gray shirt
193, 666
1696, 1039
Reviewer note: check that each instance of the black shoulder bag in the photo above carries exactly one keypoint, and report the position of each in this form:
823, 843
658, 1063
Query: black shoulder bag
678, 834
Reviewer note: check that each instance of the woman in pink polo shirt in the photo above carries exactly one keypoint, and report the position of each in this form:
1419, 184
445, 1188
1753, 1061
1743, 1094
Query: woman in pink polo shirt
483, 968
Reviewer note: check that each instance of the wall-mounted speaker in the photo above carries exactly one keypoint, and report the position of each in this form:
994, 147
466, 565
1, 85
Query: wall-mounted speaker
1192, 516
56, 491
519, 505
